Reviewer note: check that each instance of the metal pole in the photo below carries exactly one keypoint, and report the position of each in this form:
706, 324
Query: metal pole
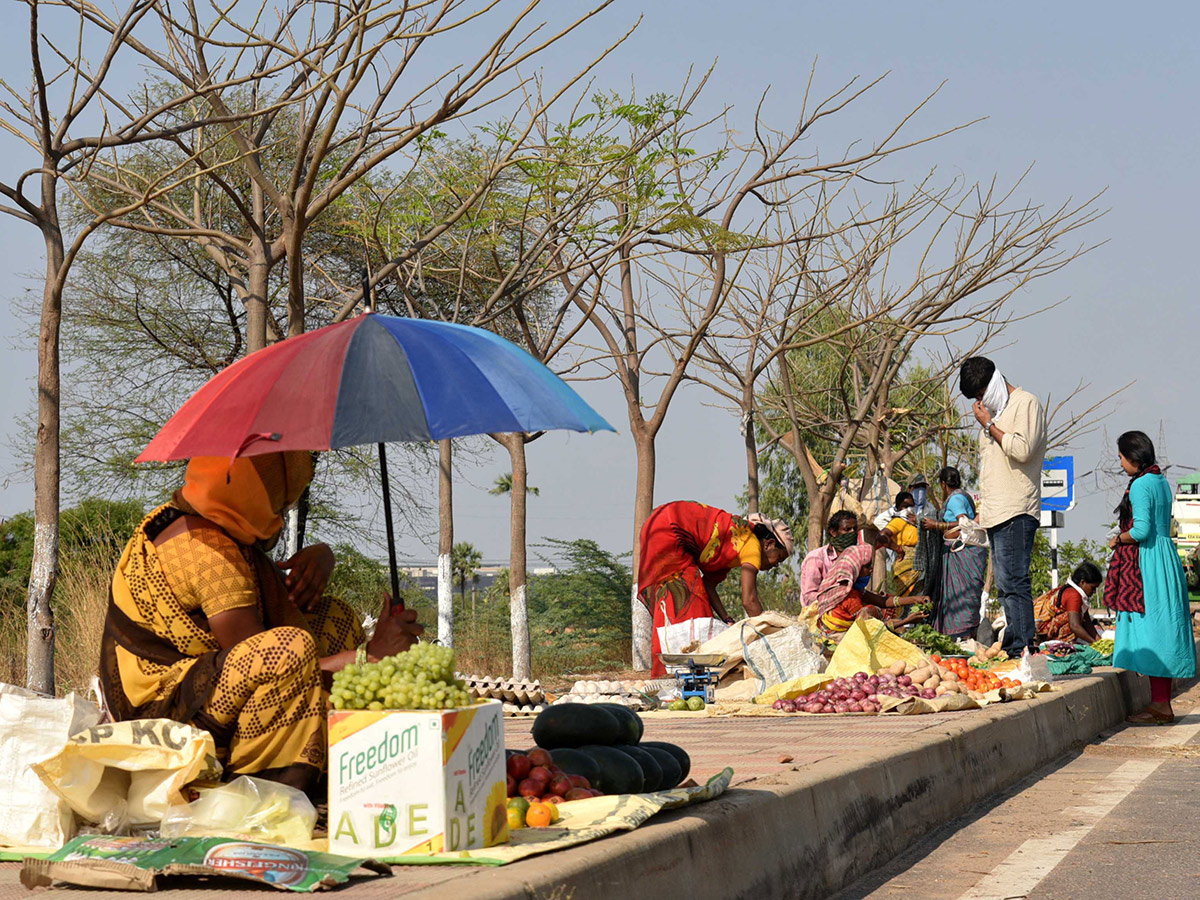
387, 518
1053, 557
368, 295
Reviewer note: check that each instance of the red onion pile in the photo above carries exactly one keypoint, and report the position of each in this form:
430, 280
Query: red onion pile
858, 693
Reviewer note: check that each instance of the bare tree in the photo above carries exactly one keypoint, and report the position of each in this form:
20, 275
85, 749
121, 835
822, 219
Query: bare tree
344, 109
69, 118
994, 251
788, 297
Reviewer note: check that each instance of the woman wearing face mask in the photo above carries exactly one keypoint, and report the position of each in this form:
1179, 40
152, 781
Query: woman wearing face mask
203, 628
1062, 613
1146, 584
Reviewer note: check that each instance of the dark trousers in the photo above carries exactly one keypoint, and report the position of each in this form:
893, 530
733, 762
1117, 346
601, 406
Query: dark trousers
1012, 549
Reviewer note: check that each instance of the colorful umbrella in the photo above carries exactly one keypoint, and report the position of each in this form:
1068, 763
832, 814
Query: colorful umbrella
371, 379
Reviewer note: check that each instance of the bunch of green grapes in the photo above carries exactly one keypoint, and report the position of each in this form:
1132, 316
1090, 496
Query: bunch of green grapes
420, 678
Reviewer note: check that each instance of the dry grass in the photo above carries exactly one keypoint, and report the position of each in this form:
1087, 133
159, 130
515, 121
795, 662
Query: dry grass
80, 603
12, 647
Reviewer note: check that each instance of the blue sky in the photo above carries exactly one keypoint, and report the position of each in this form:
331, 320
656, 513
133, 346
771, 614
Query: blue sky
1095, 95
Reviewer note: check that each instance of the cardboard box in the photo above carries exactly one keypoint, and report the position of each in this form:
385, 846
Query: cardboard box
417, 781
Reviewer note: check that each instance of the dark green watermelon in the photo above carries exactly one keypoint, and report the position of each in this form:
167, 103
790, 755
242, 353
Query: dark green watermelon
631, 722
619, 772
574, 725
681, 757
652, 775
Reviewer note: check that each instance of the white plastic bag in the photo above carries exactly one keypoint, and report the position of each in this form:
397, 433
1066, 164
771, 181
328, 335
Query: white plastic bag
1034, 668
686, 635
32, 728
247, 807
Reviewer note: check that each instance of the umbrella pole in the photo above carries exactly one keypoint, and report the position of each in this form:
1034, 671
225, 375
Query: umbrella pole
387, 518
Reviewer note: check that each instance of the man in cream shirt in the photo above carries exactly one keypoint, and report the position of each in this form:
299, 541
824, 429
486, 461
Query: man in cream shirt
1012, 447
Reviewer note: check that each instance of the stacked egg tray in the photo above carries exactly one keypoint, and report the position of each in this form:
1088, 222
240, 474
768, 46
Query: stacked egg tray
636, 695
517, 698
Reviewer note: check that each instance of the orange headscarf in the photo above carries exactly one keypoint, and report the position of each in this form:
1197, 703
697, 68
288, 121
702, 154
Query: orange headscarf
247, 496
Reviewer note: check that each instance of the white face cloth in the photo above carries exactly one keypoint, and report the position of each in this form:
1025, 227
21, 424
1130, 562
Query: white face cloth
1071, 584
995, 398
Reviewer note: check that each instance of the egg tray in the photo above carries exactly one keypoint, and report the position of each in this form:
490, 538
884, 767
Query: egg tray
511, 692
518, 710
636, 702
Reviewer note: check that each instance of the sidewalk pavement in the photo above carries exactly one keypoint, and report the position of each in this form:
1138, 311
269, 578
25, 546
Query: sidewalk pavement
855, 791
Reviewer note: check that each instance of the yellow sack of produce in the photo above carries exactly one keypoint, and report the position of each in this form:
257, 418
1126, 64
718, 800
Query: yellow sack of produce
797, 687
128, 773
868, 647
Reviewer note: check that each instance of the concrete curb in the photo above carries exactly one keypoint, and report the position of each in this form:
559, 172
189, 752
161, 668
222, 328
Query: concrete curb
821, 828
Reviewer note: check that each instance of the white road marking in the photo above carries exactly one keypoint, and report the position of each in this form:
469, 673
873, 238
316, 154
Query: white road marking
1025, 867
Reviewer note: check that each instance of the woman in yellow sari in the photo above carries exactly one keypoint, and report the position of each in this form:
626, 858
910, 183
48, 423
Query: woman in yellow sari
203, 627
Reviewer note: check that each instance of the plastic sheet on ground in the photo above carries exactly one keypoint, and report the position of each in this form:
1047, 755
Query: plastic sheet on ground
904, 706
582, 821
790, 690
134, 864
916, 706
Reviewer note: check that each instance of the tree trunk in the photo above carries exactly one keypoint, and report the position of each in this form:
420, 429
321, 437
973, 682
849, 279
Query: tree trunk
518, 607
445, 581
751, 465
289, 541
818, 514
43, 575
643, 505
258, 281
294, 237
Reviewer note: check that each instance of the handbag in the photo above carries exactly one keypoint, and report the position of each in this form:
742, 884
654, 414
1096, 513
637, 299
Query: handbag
1123, 591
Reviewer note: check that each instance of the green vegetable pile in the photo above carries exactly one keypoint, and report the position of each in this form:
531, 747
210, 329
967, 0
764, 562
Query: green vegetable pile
1104, 646
932, 641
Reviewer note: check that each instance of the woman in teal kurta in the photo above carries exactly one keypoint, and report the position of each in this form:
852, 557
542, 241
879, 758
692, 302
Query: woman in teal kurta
1157, 642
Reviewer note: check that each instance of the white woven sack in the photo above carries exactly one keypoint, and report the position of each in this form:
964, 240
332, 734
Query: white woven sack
33, 728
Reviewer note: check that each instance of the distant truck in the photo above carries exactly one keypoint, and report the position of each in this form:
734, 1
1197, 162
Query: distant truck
1185, 526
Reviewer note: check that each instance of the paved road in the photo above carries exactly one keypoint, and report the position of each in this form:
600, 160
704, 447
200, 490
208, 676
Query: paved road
1119, 820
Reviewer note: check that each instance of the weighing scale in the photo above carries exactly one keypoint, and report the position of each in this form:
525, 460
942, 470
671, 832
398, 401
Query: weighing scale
694, 672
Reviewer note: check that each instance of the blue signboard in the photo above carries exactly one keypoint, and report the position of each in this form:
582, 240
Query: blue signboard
1058, 483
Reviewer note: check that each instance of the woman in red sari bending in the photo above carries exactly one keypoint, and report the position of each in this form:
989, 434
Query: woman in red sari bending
687, 549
